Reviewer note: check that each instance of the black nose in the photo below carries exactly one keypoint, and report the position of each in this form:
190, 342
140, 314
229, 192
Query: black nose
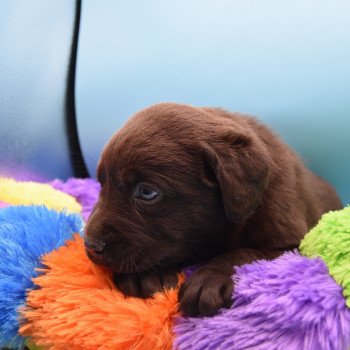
94, 247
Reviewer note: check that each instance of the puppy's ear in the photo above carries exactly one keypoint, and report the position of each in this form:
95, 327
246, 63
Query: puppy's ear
241, 165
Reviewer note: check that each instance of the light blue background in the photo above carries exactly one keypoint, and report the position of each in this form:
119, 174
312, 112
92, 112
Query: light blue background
35, 47
286, 62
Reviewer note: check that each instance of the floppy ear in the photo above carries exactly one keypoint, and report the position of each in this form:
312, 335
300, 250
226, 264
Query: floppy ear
241, 166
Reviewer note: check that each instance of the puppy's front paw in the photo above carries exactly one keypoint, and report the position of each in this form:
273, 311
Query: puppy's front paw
144, 285
205, 292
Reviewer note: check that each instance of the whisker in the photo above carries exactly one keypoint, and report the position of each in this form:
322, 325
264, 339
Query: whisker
138, 272
121, 266
149, 261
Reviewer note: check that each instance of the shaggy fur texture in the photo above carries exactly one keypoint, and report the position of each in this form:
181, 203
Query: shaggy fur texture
26, 233
289, 303
85, 191
78, 307
33, 193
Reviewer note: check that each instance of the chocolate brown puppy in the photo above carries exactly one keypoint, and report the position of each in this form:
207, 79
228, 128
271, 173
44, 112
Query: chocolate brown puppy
184, 185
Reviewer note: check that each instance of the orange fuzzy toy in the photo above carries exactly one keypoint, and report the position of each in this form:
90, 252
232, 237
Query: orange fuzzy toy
77, 307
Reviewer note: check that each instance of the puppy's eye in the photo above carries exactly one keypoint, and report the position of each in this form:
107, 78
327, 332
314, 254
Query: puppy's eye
146, 192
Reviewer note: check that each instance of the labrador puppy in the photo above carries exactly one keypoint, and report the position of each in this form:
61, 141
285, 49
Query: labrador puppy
184, 185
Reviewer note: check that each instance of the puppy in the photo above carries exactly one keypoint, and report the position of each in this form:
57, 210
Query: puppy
183, 185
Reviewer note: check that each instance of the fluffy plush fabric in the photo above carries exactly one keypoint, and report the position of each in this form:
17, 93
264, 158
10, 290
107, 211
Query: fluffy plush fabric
25, 234
33, 193
290, 303
2, 204
77, 307
330, 239
85, 191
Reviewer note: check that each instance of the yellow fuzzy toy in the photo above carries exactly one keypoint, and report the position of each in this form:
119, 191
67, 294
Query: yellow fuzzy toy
32, 193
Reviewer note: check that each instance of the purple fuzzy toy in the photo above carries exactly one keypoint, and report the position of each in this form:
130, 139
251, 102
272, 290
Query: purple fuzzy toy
85, 191
289, 303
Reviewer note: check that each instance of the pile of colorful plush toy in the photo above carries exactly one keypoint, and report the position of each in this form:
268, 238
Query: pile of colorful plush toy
53, 297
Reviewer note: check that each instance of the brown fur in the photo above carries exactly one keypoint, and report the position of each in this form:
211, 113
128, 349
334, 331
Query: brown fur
229, 192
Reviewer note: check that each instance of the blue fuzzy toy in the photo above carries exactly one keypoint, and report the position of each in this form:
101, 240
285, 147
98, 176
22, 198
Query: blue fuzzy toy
26, 233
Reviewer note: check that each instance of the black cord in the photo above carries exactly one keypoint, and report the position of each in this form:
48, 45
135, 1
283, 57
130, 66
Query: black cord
77, 159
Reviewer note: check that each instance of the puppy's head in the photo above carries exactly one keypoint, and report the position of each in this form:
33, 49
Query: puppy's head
175, 180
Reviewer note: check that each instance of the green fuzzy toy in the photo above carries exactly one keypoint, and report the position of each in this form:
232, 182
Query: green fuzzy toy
330, 240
